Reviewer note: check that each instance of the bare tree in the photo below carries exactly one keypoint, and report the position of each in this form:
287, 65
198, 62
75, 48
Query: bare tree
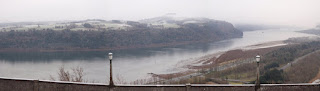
63, 74
77, 74
120, 80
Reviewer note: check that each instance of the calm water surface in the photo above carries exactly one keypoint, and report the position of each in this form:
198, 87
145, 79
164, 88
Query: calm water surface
130, 64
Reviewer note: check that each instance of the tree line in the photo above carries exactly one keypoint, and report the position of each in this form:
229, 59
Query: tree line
135, 37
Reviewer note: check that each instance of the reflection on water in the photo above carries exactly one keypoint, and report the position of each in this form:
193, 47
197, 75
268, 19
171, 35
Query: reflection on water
131, 64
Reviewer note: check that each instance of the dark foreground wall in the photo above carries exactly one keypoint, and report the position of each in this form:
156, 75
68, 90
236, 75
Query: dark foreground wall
7, 84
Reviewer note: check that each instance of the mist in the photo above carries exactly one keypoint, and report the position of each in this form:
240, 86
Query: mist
302, 13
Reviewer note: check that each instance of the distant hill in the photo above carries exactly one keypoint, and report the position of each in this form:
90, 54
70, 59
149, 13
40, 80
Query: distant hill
315, 31
97, 34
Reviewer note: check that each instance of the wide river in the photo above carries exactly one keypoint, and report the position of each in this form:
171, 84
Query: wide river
129, 65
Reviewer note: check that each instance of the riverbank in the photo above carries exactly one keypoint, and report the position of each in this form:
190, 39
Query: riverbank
222, 60
132, 64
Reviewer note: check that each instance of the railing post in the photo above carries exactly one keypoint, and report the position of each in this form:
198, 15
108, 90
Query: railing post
188, 86
111, 88
35, 85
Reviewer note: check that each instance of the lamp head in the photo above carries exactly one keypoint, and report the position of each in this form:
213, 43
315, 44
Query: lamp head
258, 58
110, 56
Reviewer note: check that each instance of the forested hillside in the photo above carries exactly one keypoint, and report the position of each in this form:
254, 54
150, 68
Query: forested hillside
272, 65
137, 35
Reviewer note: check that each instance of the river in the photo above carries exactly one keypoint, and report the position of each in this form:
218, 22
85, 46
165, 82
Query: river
131, 64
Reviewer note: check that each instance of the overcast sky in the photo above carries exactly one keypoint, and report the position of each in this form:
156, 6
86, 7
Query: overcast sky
284, 12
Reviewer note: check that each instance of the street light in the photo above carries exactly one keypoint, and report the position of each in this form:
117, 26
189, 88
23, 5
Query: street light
111, 81
110, 56
258, 58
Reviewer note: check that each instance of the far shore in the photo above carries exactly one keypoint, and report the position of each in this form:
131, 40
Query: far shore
70, 49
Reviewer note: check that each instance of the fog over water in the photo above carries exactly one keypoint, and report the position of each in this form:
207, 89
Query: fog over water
302, 13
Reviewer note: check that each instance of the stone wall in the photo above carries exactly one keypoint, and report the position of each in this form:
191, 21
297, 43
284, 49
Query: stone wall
36, 85
9, 84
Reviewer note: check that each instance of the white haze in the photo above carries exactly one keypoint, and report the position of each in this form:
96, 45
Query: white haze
303, 13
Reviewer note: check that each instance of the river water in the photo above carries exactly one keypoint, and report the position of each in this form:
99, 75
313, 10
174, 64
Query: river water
129, 65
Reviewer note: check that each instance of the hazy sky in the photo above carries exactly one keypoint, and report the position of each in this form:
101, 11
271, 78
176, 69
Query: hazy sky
284, 12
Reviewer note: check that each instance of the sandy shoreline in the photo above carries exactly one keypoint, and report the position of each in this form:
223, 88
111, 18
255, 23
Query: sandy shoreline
193, 65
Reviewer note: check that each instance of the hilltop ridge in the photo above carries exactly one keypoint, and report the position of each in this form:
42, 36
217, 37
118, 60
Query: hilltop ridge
98, 34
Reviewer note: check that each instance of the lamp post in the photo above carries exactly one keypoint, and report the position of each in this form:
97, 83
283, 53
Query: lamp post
257, 82
111, 81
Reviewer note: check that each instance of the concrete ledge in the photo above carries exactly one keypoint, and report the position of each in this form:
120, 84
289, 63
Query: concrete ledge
17, 84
